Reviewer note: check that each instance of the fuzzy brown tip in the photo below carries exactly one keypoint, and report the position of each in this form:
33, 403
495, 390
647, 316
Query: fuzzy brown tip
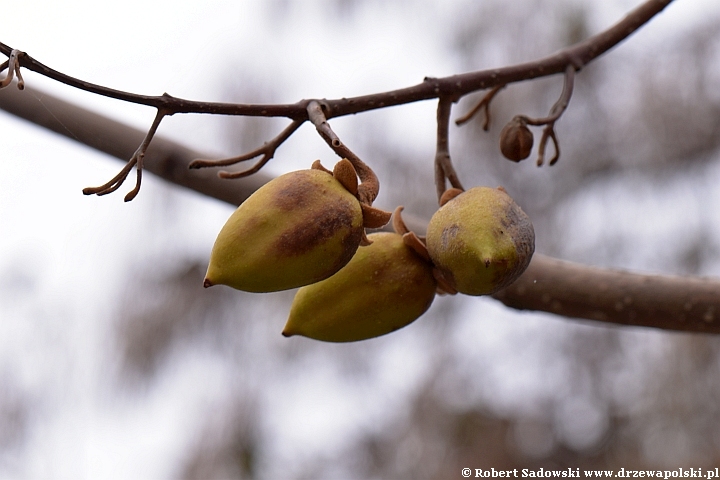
345, 173
374, 217
449, 194
316, 165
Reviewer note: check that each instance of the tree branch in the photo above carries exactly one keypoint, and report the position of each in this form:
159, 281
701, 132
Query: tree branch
454, 86
445, 89
689, 304
549, 285
483, 104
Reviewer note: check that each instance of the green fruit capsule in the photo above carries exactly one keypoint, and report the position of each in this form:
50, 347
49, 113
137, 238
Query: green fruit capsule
386, 286
480, 241
295, 230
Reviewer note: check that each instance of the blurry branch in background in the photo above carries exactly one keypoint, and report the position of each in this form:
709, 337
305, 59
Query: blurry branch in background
445, 89
548, 285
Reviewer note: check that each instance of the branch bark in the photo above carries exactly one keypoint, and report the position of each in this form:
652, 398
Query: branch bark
549, 285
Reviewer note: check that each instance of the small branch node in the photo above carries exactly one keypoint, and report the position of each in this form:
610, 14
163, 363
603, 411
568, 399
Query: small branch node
370, 185
555, 113
548, 132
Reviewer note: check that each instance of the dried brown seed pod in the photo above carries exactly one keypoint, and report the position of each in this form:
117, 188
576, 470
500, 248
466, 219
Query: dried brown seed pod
516, 140
480, 241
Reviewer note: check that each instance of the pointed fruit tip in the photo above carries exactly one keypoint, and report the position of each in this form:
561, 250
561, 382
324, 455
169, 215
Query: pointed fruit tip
207, 283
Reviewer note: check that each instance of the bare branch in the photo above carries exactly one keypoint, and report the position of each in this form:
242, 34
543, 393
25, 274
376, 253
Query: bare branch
555, 113
484, 104
673, 303
577, 55
449, 87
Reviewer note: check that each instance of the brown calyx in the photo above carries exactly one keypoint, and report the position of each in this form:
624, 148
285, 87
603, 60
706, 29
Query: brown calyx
410, 239
345, 173
449, 194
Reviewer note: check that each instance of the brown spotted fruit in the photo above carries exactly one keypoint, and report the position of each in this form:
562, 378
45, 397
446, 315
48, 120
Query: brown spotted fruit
386, 286
480, 241
297, 229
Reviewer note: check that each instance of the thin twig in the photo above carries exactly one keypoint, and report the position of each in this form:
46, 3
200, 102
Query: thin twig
135, 161
20, 81
267, 151
555, 113
114, 183
578, 55
370, 186
561, 104
548, 132
484, 103
443, 164
449, 87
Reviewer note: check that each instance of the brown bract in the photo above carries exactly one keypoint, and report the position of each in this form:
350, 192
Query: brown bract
345, 173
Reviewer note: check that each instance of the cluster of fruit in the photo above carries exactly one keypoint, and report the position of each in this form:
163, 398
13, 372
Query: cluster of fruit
307, 229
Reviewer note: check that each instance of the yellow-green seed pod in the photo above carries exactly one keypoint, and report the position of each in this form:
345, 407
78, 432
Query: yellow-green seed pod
295, 230
480, 241
386, 286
